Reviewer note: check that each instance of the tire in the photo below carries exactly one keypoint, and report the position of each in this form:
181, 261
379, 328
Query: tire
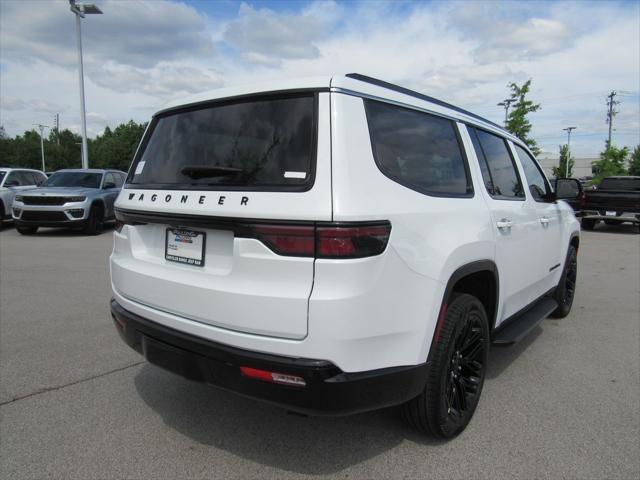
95, 222
566, 289
440, 410
23, 230
588, 224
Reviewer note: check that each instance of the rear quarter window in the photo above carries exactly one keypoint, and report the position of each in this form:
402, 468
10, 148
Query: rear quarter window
418, 150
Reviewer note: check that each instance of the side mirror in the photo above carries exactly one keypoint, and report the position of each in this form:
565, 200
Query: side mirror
109, 185
567, 188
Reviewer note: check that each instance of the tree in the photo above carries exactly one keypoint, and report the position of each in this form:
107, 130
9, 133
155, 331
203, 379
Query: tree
113, 149
517, 122
634, 162
116, 148
561, 170
612, 162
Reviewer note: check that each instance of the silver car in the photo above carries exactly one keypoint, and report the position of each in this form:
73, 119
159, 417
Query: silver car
69, 198
12, 181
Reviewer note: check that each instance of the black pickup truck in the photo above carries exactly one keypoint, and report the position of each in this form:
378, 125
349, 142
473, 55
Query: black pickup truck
615, 201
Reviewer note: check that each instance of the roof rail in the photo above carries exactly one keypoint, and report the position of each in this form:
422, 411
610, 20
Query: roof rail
413, 93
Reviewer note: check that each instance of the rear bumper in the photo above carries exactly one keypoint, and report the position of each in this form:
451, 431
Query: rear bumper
622, 217
328, 390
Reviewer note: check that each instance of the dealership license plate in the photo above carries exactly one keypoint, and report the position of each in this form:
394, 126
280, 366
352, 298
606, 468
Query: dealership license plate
610, 214
185, 246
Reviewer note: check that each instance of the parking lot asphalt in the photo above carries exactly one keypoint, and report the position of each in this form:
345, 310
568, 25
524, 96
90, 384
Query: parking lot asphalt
75, 402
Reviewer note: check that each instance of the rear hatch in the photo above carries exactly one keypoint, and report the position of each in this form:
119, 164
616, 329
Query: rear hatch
214, 191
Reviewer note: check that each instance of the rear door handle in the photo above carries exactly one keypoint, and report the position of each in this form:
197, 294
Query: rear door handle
544, 221
504, 223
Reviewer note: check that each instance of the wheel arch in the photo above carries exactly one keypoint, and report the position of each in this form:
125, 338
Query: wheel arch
574, 240
480, 279
99, 202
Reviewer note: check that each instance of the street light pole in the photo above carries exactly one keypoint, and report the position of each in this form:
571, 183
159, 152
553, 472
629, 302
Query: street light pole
83, 117
568, 130
80, 10
41, 128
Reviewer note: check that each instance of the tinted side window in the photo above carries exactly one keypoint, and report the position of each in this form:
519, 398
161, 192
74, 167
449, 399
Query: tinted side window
29, 178
537, 182
25, 178
20, 178
119, 179
486, 174
418, 150
109, 178
504, 181
39, 178
13, 179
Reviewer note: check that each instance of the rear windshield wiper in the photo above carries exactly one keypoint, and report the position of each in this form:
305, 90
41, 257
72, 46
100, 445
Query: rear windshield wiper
199, 171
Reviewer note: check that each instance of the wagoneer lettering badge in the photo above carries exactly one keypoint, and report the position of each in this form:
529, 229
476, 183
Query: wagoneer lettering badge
185, 199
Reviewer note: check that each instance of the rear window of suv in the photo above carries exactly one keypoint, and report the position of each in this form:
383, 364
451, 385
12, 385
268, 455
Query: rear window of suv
418, 150
265, 143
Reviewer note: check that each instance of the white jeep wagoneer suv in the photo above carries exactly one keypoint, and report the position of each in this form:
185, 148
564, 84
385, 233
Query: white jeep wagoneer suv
335, 245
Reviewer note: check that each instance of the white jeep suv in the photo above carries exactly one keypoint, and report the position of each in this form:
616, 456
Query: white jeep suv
335, 245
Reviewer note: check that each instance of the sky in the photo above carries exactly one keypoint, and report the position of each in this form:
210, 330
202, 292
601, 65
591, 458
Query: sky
139, 55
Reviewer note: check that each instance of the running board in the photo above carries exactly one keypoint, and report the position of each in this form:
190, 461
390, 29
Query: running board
520, 325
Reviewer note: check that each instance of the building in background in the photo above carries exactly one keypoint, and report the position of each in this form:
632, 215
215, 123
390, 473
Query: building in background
581, 168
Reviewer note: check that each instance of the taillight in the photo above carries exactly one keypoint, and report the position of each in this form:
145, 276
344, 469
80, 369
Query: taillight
325, 240
287, 240
351, 241
583, 199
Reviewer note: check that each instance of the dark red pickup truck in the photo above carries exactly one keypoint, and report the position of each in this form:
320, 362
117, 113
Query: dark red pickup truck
615, 201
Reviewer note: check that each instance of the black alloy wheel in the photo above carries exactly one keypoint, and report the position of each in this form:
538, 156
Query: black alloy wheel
95, 221
566, 289
457, 366
466, 367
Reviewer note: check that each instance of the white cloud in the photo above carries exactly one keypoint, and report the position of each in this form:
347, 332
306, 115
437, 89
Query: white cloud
140, 33
164, 80
36, 104
508, 31
262, 35
140, 54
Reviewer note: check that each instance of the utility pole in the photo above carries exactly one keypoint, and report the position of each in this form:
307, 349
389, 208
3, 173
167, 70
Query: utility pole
506, 104
568, 130
41, 128
56, 127
611, 112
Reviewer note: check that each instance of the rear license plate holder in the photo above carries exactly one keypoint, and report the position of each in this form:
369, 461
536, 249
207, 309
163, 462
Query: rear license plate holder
185, 246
